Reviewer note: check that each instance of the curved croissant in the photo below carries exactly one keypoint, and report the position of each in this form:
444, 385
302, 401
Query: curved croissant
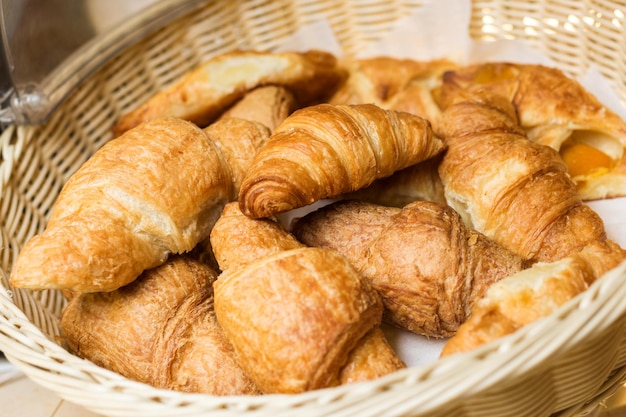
519, 300
157, 189
559, 112
201, 95
160, 329
261, 256
529, 295
325, 150
513, 190
427, 266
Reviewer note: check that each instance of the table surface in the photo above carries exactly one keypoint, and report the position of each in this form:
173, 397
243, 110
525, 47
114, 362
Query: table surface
20, 396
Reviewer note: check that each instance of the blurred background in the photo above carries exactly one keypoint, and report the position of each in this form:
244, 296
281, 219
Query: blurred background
46, 46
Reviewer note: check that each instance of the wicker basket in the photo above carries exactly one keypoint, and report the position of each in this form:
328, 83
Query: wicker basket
562, 365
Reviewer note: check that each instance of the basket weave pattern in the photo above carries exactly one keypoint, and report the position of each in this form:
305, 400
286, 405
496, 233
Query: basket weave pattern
562, 365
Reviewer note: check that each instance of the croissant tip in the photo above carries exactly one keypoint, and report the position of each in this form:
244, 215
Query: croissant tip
264, 208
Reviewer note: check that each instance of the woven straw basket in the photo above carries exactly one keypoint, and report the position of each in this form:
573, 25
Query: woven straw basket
563, 365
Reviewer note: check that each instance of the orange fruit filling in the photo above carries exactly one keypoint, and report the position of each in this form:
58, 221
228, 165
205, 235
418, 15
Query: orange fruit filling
584, 160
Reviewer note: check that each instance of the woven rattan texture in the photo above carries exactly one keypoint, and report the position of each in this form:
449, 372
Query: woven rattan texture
563, 365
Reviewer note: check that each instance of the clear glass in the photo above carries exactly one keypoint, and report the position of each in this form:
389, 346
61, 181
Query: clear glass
50, 46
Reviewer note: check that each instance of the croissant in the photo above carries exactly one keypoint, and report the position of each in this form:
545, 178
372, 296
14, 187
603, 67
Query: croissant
515, 191
237, 240
160, 330
393, 83
417, 182
261, 257
156, 190
402, 85
237, 140
559, 112
520, 299
372, 358
201, 95
268, 105
427, 266
326, 150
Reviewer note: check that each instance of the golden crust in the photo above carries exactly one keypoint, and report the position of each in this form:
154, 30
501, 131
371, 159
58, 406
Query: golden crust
239, 241
513, 190
392, 83
160, 329
293, 335
204, 93
521, 299
268, 105
238, 141
326, 150
156, 190
419, 182
371, 359
555, 110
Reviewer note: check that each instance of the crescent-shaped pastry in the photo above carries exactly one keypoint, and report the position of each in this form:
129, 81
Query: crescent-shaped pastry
326, 150
156, 190
514, 190
557, 111
201, 95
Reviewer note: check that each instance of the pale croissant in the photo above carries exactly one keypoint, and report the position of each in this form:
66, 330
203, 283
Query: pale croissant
513, 190
275, 285
156, 190
202, 94
427, 266
326, 150
557, 111
160, 329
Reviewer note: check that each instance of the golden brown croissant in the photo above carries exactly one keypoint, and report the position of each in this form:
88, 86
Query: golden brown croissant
160, 329
268, 105
557, 111
156, 190
427, 266
325, 150
521, 299
239, 241
204, 93
393, 83
325, 308
513, 190
402, 85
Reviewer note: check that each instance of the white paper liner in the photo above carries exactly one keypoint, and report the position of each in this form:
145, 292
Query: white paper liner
421, 36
